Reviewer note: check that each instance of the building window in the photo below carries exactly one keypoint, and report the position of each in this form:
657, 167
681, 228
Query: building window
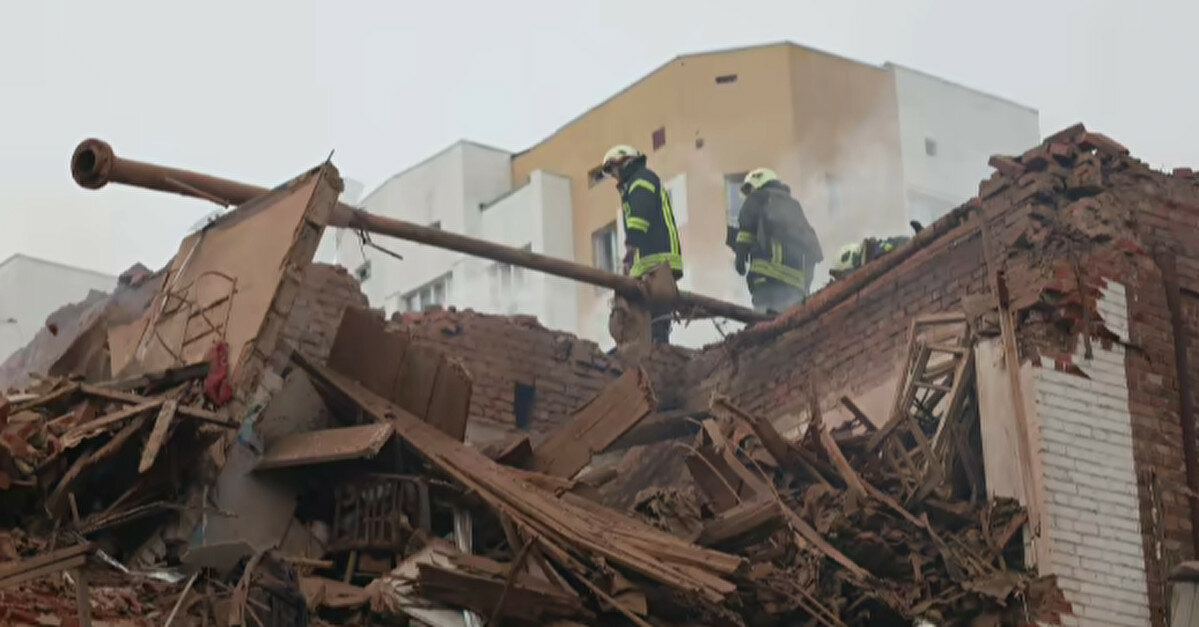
603, 243
363, 271
930, 146
732, 196
428, 295
523, 396
659, 138
725, 79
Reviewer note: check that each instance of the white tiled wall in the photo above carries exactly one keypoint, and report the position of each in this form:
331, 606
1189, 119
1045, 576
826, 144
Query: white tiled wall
1092, 516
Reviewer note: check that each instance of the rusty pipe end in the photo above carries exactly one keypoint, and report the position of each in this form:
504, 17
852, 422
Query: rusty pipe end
91, 164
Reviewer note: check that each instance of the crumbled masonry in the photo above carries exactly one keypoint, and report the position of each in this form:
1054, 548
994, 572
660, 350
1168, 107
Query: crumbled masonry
239, 440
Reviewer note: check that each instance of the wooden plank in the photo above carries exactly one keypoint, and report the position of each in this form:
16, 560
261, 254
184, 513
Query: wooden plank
449, 402
719, 491
325, 445
758, 515
187, 411
158, 435
365, 351
48, 569
13, 569
859, 414
414, 386
79, 433
603, 419
594, 533
721, 494
60, 394
515, 451
58, 499
163, 378
843, 468
813, 537
1027, 447
83, 599
782, 451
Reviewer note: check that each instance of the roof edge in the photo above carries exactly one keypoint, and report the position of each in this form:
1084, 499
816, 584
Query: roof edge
58, 264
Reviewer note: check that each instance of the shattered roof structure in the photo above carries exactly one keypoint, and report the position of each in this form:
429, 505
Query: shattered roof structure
990, 423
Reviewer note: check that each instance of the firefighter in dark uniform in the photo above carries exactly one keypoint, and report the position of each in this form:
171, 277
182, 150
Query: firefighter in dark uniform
854, 256
776, 247
651, 238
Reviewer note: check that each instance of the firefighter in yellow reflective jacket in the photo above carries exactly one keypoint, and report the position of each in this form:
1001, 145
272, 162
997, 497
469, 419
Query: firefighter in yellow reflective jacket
651, 238
775, 240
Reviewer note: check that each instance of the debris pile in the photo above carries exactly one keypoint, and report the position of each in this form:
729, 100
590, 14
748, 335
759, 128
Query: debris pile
261, 452
389, 515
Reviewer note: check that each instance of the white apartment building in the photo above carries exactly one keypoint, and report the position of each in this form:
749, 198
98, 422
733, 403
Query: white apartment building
467, 188
31, 289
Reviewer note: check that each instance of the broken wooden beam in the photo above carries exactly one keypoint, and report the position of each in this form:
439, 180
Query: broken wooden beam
326, 445
748, 518
158, 435
603, 419
44, 564
195, 413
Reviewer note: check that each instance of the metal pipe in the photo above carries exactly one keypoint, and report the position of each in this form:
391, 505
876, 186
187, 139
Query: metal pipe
94, 165
1167, 263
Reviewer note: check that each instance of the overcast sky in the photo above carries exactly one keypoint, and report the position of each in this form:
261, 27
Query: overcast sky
260, 91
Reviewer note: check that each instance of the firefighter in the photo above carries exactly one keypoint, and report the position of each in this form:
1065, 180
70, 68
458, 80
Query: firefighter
855, 255
651, 238
776, 247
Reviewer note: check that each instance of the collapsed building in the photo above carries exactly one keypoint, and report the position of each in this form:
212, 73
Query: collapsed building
992, 424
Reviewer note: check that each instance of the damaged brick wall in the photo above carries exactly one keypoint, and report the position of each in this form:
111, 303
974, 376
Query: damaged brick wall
1059, 222
851, 349
527, 377
325, 292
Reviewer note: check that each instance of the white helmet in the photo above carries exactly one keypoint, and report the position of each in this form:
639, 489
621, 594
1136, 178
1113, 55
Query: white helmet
616, 154
756, 179
848, 258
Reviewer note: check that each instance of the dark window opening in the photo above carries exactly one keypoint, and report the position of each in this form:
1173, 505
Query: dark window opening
726, 78
523, 396
930, 146
699, 142
659, 138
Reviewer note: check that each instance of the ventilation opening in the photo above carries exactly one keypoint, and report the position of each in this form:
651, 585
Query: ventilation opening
724, 79
523, 396
659, 138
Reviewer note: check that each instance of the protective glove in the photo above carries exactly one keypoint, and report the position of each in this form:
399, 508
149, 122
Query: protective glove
740, 264
626, 265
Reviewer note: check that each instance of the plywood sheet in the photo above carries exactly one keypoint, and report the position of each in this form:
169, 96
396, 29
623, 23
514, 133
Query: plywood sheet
222, 281
365, 351
327, 445
449, 403
615, 410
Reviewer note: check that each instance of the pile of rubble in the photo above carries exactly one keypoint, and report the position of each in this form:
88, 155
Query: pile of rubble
254, 454
388, 515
